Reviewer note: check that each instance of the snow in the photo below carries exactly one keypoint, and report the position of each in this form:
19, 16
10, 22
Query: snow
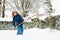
8, 14
56, 6
43, 10
6, 19
30, 34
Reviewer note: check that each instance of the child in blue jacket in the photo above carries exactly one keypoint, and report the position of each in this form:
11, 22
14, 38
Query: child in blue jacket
18, 21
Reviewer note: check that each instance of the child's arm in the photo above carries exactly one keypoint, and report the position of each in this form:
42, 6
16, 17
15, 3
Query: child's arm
20, 20
20, 24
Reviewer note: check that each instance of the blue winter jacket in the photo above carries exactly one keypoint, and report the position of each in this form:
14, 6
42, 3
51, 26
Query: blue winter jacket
17, 20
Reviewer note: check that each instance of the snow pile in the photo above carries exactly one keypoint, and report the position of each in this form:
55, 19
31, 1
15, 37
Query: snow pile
56, 6
30, 34
43, 10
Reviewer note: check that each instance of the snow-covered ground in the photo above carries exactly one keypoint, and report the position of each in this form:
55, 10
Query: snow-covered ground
30, 34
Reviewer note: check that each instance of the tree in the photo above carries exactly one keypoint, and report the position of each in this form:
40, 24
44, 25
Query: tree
3, 12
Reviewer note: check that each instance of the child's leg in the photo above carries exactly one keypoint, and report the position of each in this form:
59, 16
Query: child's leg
20, 29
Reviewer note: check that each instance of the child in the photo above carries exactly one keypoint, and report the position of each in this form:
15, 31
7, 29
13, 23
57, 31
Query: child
18, 21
